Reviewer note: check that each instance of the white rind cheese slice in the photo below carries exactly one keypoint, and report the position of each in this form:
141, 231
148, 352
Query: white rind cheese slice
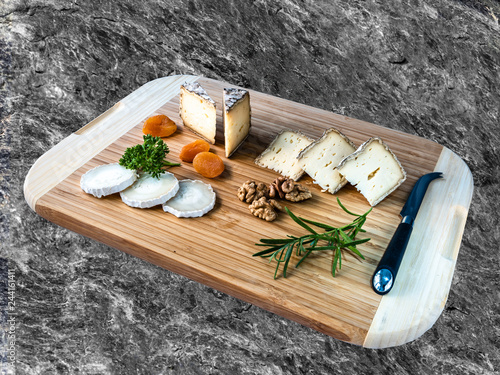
320, 159
281, 155
374, 170
107, 179
149, 191
236, 117
197, 111
194, 199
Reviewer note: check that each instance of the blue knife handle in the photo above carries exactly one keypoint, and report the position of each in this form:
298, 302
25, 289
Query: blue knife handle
385, 274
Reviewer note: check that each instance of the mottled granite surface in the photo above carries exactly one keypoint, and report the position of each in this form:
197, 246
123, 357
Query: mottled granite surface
430, 68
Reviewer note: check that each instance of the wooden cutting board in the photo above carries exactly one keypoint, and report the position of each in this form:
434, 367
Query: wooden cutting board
217, 249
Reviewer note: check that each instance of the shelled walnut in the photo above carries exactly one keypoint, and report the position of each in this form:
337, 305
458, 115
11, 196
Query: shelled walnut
286, 188
265, 208
251, 191
260, 196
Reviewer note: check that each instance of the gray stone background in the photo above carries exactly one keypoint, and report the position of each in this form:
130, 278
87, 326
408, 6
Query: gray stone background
430, 68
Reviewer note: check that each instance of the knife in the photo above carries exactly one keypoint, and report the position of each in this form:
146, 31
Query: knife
385, 274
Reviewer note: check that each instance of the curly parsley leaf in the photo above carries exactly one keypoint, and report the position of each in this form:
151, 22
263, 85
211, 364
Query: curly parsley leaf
148, 157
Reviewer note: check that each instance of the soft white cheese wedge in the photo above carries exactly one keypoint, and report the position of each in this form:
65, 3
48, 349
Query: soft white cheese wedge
150, 191
197, 111
281, 155
374, 170
236, 117
107, 179
320, 159
194, 199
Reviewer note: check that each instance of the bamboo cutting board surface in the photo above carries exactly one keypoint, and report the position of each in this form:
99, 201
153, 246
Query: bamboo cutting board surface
217, 249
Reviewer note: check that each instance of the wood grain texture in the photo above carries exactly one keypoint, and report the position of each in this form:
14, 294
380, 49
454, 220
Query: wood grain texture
216, 249
75, 150
416, 300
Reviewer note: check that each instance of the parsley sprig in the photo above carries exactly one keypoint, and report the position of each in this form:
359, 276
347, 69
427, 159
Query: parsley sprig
333, 239
148, 157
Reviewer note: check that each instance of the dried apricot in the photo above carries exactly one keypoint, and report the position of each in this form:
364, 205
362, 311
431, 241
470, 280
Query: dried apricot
208, 164
189, 151
159, 126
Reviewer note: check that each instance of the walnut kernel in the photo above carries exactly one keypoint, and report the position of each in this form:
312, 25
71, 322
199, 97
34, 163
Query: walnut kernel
251, 191
265, 209
287, 188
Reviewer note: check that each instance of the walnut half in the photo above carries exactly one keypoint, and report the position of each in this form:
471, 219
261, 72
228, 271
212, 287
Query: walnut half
286, 188
265, 209
251, 191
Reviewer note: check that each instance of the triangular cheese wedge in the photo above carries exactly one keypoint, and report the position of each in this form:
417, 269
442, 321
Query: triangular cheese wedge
373, 169
320, 159
281, 154
236, 117
197, 111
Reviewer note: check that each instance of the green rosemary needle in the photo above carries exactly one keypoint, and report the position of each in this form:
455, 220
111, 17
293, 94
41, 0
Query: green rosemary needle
330, 239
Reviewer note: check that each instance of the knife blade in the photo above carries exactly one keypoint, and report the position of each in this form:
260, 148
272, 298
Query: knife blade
385, 274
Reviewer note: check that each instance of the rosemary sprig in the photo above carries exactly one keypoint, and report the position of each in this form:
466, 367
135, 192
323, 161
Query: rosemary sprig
331, 239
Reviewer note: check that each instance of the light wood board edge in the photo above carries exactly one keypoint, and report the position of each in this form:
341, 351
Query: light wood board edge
404, 314
418, 298
79, 147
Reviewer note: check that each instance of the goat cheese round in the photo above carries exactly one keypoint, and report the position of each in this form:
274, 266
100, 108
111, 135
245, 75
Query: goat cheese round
107, 179
194, 199
149, 191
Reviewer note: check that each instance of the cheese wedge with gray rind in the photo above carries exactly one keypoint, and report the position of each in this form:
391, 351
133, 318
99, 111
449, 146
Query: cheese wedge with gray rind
236, 118
149, 191
320, 159
374, 170
194, 199
107, 179
281, 155
197, 111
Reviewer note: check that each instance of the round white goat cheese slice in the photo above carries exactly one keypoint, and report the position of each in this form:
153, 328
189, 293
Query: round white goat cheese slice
194, 199
107, 179
149, 191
